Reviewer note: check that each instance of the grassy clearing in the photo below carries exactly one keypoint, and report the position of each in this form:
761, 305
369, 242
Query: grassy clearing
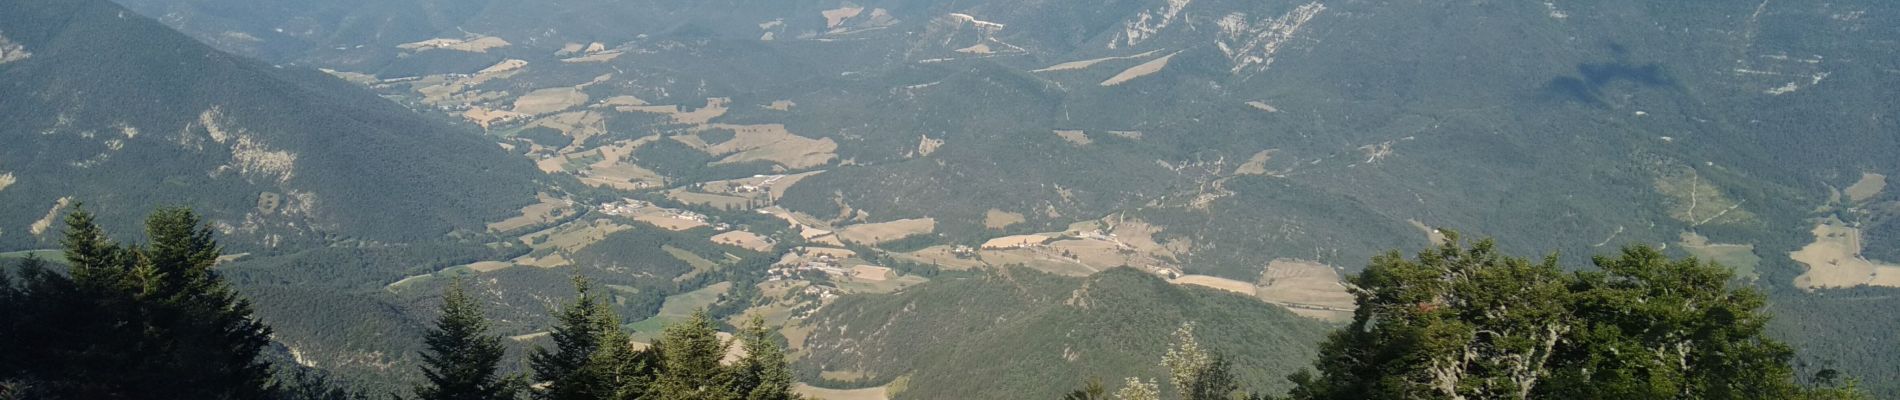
543, 212
1243, 288
999, 219
54, 256
1739, 257
1870, 185
1697, 201
677, 308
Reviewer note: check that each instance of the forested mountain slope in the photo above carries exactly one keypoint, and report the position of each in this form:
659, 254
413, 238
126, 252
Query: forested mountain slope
103, 106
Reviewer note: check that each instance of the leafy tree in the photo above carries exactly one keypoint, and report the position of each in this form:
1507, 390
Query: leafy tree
462, 357
1466, 322
1136, 389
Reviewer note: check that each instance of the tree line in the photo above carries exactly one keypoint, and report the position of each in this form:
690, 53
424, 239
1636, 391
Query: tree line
1466, 322
156, 321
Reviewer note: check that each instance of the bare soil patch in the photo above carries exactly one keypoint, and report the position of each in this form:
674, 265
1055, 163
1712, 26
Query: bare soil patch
1077, 138
550, 100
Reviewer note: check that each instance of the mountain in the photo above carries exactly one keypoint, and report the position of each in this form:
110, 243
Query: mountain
1206, 140
108, 108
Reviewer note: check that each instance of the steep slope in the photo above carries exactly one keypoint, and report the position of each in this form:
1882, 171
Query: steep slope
1024, 334
115, 110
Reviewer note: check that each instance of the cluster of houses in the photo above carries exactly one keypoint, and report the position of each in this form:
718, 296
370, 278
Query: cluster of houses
624, 207
829, 265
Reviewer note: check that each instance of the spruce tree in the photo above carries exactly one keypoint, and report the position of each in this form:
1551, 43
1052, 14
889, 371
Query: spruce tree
586, 336
689, 361
763, 374
463, 359
135, 322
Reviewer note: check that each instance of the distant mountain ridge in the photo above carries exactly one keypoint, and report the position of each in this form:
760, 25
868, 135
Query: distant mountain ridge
103, 106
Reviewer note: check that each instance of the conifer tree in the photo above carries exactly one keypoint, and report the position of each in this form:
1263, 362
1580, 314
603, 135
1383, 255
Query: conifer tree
763, 374
462, 360
136, 322
689, 361
579, 331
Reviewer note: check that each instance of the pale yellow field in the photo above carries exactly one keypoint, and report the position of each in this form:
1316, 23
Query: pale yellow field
1308, 288
781, 105
668, 222
1141, 70
1012, 242
1074, 137
772, 142
6, 179
1218, 283
550, 100
621, 101
877, 233
485, 117
489, 266
1130, 135
476, 44
537, 213
715, 107
999, 219
744, 240
818, 393
1870, 185
575, 236
926, 145
1834, 260
1083, 64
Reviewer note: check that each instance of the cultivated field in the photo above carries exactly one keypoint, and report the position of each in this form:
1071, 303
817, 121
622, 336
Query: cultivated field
773, 143
1230, 285
1834, 260
878, 233
744, 240
550, 100
1307, 288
